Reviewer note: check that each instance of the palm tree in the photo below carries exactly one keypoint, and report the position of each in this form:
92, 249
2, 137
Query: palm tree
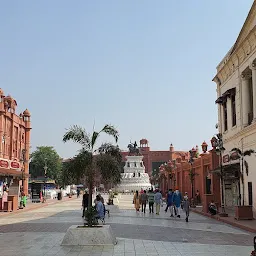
242, 155
89, 161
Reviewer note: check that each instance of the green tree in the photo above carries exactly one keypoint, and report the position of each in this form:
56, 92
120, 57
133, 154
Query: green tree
90, 161
242, 154
45, 158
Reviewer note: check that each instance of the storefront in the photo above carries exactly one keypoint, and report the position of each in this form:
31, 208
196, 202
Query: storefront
11, 181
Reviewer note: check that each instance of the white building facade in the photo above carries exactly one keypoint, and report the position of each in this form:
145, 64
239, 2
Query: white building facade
236, 90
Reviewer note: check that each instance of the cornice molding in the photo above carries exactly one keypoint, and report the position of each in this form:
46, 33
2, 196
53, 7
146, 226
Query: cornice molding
240, 133
241, 53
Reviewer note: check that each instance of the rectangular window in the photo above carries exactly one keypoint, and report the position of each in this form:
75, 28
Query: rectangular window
250, 114
225, 113
233, 108
250, 201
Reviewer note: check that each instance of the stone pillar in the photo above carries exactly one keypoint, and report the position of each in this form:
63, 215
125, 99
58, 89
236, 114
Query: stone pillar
245, 98
254, 90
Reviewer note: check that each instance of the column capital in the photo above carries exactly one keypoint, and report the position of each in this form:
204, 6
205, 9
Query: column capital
246, 75
253, 66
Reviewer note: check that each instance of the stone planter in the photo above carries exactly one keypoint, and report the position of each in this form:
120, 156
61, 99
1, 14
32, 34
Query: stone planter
243, 212
97, 235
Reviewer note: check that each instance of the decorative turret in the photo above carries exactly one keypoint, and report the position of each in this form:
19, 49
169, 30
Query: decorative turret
10, 104
26, 113
143, 143
171, 148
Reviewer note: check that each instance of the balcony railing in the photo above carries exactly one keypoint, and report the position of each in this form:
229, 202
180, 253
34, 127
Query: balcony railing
250, 118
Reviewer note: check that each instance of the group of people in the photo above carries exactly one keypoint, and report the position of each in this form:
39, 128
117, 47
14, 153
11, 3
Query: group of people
174, 202
98, 203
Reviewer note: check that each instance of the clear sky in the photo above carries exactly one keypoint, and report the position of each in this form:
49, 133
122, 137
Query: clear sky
144, 66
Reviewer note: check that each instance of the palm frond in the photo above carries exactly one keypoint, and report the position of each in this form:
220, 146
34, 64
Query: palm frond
77, 134
110, 130
246, 167
237, 150
248, 152
95, 135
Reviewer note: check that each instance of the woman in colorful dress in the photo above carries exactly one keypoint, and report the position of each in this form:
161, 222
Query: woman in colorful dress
136, 201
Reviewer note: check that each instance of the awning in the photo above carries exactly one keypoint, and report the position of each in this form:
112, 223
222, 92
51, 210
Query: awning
225, 95
11, 172
229, 171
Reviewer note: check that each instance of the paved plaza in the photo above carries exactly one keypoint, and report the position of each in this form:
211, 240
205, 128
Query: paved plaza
40, 231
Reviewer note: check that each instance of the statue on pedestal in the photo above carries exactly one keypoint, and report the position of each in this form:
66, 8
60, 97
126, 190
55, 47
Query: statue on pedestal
133, 148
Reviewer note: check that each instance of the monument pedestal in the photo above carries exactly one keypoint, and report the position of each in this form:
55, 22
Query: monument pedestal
134, 176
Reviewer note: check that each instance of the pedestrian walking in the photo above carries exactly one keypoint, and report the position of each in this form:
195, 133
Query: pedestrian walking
158, 201
186, 205
136, 201
143, 200
168, 200
176, 199
151, 200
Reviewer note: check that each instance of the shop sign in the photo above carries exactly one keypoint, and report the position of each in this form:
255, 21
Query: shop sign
4, 163
15, 165
225, 158
234, 156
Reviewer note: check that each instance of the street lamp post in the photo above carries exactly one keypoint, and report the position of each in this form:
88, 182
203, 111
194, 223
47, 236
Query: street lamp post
45, 176
192, 155
217, 144
22, 160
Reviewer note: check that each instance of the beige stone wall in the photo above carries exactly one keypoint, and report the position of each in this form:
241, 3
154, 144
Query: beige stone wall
240, 58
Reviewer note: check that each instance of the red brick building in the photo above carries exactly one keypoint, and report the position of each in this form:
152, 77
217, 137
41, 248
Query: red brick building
153, 159
179, 173
14, 145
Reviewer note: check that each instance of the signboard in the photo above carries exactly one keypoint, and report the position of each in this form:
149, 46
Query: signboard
234, 156
14, 165
4, 163
225, 158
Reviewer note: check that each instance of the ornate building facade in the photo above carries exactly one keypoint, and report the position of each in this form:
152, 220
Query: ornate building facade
236, 89
14, 144
193, 174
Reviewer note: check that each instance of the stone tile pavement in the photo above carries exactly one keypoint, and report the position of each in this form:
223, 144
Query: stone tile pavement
43, 244
40, 231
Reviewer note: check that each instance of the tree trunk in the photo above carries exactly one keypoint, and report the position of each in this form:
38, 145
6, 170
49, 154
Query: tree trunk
90, 193
192, 188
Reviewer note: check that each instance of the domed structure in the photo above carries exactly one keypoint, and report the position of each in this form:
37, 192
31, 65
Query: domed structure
26, 113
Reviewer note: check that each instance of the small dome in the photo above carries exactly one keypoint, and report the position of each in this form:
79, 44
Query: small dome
26, 113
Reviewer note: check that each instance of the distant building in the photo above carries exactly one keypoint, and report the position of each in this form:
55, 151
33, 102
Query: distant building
153, 159
14, 145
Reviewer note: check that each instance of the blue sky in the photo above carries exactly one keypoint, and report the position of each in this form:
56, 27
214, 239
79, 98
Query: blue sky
144, 66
